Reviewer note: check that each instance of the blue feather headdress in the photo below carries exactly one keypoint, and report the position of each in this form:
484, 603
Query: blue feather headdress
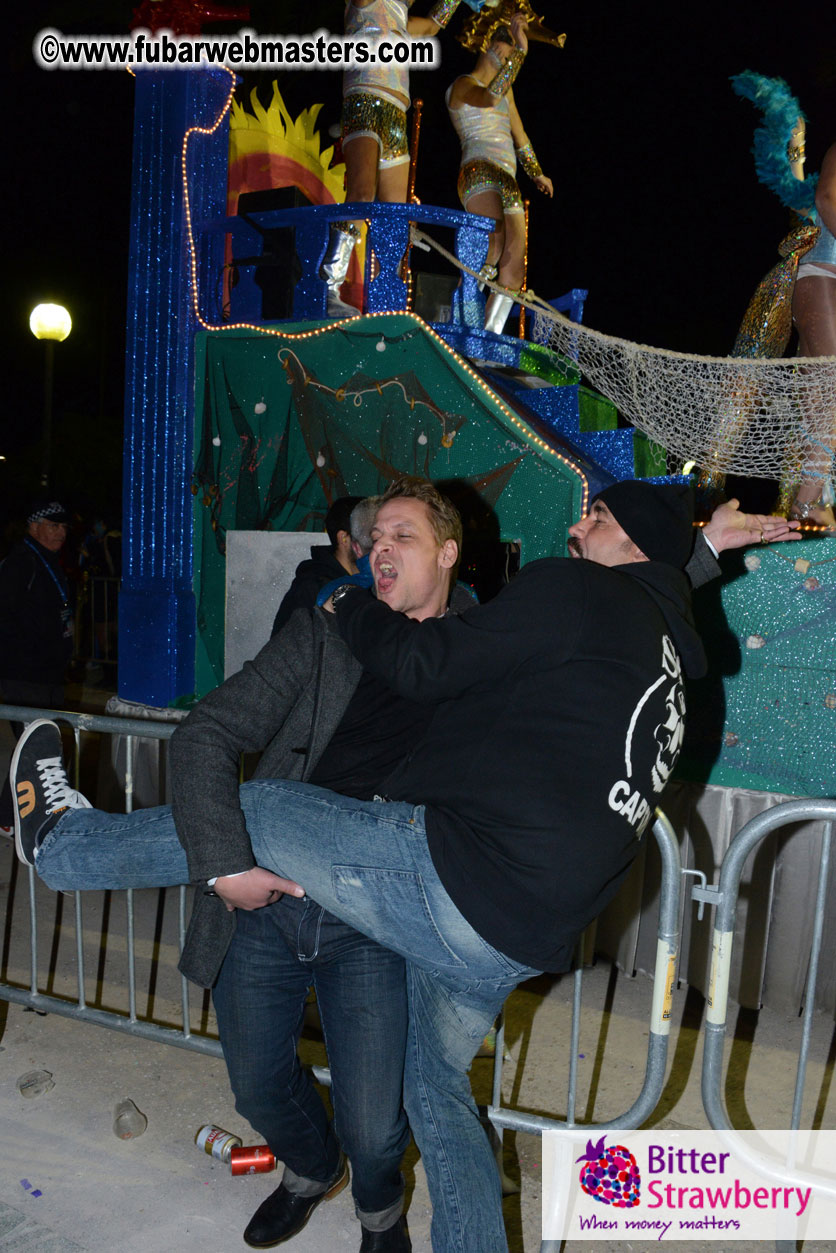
780, 111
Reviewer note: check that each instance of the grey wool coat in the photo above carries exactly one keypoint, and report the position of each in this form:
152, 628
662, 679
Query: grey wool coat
288, 702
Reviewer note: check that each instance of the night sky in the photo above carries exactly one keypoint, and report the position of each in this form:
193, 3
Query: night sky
657, 210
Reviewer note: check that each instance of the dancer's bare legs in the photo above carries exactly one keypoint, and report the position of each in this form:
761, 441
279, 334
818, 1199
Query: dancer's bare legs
489, 205
512, 259
814, 313
506, 251
393, 183
361, 154
365, 180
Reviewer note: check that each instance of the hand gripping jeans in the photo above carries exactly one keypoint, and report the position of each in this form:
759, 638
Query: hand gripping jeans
368, 863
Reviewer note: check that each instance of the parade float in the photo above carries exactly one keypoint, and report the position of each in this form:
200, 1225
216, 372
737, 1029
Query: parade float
240, 423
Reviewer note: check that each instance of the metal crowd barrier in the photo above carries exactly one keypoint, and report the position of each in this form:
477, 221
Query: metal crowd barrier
724, 897
77, 1006
664, 975
96, 620
667, 944
129, 1022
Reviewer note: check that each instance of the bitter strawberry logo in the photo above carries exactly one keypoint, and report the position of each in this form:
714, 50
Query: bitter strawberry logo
610, 1175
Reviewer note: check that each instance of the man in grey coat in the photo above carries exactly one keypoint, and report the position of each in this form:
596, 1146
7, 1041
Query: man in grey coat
305, 702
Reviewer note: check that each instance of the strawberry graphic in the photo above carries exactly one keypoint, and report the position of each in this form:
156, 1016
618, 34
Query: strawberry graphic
610, 1175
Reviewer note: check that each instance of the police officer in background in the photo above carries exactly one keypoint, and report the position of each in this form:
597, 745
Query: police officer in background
36, 619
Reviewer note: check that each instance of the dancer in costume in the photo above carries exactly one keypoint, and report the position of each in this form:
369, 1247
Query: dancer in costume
374, 137
482, 110
805, 281
814, 314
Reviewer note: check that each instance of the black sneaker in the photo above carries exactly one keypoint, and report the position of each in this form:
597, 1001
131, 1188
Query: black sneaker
41, 791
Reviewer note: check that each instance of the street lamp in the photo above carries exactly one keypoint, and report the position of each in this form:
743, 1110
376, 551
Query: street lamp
52, 324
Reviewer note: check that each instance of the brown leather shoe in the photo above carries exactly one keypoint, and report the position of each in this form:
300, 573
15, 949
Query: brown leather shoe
283, 1215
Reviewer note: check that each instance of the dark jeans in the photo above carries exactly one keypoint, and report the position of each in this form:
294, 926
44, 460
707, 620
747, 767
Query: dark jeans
275, 956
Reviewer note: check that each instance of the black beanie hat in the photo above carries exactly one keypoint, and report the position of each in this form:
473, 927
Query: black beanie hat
658, 518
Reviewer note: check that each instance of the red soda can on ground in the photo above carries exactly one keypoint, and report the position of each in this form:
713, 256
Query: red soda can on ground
256, 1159
217, 1142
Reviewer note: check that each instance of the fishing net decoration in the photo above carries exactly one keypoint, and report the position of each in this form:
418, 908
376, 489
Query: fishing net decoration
736, 415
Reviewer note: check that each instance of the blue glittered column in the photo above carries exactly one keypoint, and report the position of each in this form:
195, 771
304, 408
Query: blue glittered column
157, 607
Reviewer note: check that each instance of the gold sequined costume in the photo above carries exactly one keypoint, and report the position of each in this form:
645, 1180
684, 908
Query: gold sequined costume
368, 115
488, 159
477, 176
764, 332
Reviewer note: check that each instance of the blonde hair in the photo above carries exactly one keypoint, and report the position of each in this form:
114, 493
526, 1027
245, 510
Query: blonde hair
445, 518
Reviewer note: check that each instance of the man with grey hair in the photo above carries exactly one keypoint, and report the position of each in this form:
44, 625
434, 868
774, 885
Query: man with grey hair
361, 523
327, 561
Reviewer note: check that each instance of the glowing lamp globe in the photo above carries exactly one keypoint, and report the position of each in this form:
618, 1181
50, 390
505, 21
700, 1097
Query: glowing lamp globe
50, 322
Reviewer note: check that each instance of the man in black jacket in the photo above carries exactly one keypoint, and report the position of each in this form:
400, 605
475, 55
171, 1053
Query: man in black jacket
324, 564
556, 719
36, 620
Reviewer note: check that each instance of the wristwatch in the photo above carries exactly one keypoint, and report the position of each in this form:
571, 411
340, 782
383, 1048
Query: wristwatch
341, 591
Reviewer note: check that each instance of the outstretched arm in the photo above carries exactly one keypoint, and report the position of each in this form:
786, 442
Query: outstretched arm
729, 528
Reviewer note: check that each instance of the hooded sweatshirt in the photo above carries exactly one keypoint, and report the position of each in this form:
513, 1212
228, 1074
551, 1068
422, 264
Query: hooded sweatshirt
309, 578
559, 714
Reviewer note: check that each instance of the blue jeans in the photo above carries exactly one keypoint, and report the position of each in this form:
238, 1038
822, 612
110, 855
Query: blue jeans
276, 954
368, 863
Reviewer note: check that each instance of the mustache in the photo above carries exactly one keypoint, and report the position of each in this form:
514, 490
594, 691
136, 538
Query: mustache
574, 546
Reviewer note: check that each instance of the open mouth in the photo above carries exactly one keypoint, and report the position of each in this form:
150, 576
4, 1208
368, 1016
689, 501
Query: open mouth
385, 576
574, 546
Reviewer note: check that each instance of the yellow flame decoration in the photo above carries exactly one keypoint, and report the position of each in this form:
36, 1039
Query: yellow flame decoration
274, 132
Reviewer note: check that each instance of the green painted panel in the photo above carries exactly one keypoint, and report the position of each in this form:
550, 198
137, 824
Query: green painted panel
286, 423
